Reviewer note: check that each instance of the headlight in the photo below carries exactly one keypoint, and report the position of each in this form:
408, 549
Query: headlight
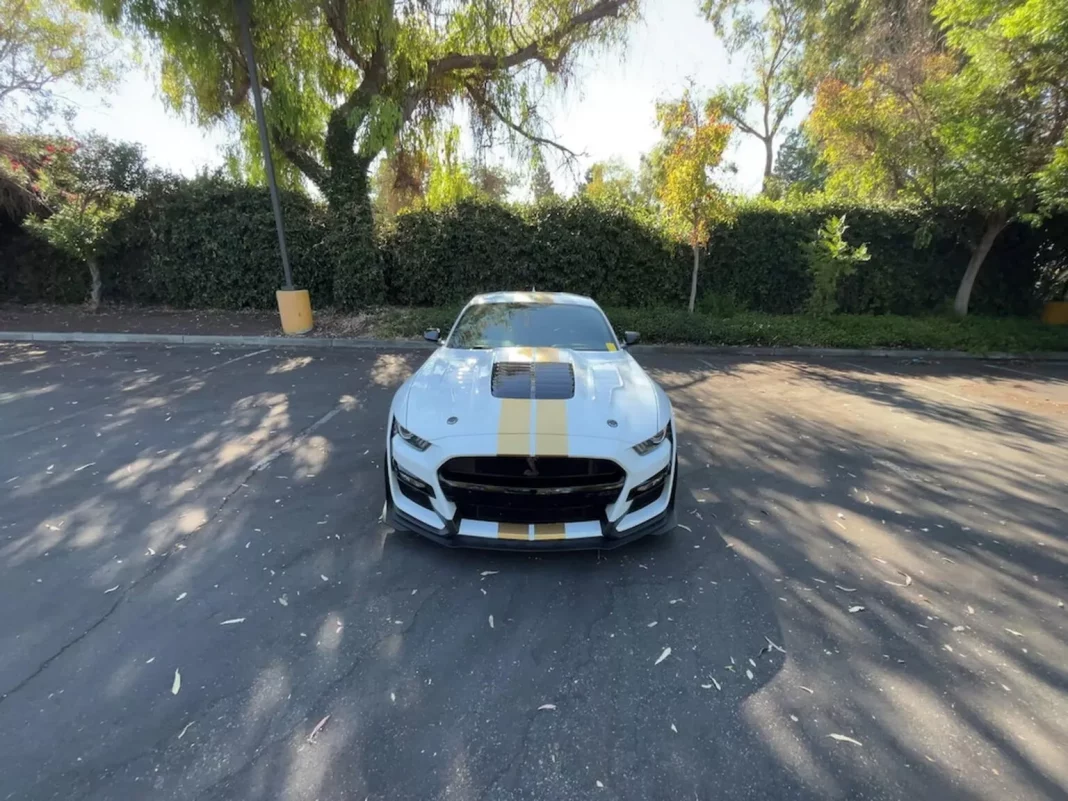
643, 448
418, 443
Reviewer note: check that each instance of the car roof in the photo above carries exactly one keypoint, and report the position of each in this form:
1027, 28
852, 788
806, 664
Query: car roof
533, 297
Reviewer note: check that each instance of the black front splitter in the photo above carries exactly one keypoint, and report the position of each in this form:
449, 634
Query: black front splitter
661, 524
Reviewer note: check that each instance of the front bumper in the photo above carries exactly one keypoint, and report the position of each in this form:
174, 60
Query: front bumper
437, 519
451, 538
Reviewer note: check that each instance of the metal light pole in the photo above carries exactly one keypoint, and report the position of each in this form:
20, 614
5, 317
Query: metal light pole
243, 21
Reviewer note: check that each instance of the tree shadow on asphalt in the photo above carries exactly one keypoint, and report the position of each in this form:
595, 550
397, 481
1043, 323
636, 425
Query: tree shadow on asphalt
952, 673
391, 637
223, 526
892, 389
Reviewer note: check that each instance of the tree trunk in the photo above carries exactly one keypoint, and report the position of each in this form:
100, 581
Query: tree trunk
769, 162
693, 278
995, 224
94, 287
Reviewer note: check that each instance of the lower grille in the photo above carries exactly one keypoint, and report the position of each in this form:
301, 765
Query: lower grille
531, 489
647, 492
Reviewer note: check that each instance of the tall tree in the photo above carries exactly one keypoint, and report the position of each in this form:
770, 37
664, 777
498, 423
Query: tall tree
771, 38
980, 123
43, 43
346, 79
799, 168
400, 181
694, 143
541, 182
492, 182
610, 182
90, 187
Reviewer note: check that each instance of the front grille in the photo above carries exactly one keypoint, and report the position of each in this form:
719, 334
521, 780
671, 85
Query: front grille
531, 489
534, 380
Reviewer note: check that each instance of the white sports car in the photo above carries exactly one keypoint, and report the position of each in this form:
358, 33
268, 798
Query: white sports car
531, 427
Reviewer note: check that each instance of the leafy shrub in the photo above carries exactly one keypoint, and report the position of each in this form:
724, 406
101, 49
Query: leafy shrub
830, 259
676, 326
358, 279
210, 243
440, 257
32, 270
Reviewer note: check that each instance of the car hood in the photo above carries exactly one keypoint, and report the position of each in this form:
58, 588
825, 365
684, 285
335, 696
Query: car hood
456, 383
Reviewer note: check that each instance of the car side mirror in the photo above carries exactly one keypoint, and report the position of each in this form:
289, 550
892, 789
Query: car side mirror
631, 338
432, 335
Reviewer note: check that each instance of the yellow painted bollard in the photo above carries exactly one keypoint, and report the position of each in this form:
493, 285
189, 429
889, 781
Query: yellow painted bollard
294, 307
1055, 312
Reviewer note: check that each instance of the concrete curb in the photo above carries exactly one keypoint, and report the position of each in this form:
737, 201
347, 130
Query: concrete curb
75, 337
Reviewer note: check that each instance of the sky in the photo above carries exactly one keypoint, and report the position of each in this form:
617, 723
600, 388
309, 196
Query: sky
607, 111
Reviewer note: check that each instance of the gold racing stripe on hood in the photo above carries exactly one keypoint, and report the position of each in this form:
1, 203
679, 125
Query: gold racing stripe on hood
548, 355
550, 531
550, 428
520, 417
513, 429
513, 531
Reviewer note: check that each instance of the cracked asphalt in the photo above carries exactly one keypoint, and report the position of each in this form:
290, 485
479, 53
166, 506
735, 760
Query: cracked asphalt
865, 599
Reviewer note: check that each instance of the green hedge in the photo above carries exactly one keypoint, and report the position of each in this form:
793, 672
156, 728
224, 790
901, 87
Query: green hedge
31, 270
674, 326
758, 261
208, 242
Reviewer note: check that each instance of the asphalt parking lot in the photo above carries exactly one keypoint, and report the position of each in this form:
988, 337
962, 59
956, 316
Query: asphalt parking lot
865, 600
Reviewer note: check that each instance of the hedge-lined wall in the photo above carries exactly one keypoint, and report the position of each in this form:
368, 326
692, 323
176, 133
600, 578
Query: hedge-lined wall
205, 243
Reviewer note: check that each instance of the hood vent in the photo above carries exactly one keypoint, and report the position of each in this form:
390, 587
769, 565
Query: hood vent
533, 380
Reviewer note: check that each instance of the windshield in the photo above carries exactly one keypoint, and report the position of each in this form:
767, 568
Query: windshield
533, 325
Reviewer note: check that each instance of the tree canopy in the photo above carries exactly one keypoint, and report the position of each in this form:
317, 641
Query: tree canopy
346, 80
694, 141
978, 121
42, 44
771, 38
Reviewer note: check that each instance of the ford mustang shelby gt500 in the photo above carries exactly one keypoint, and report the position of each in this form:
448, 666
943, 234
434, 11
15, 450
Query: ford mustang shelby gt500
531, 427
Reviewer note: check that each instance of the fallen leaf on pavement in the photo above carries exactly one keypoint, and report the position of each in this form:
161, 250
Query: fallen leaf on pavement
855, 609
773, 646
651, 624
111, 590
843, 739
674, 729
846, 589
180, 597
318, 728
547, 707
485, 573
663, 655
232, 620
1014, 633
177, 684
284, 601
491, 621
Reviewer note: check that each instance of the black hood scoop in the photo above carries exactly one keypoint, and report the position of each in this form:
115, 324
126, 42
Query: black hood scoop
533, 380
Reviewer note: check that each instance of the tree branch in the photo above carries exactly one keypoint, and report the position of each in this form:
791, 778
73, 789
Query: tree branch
336, 13
300, 158
535, 51
480, 98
